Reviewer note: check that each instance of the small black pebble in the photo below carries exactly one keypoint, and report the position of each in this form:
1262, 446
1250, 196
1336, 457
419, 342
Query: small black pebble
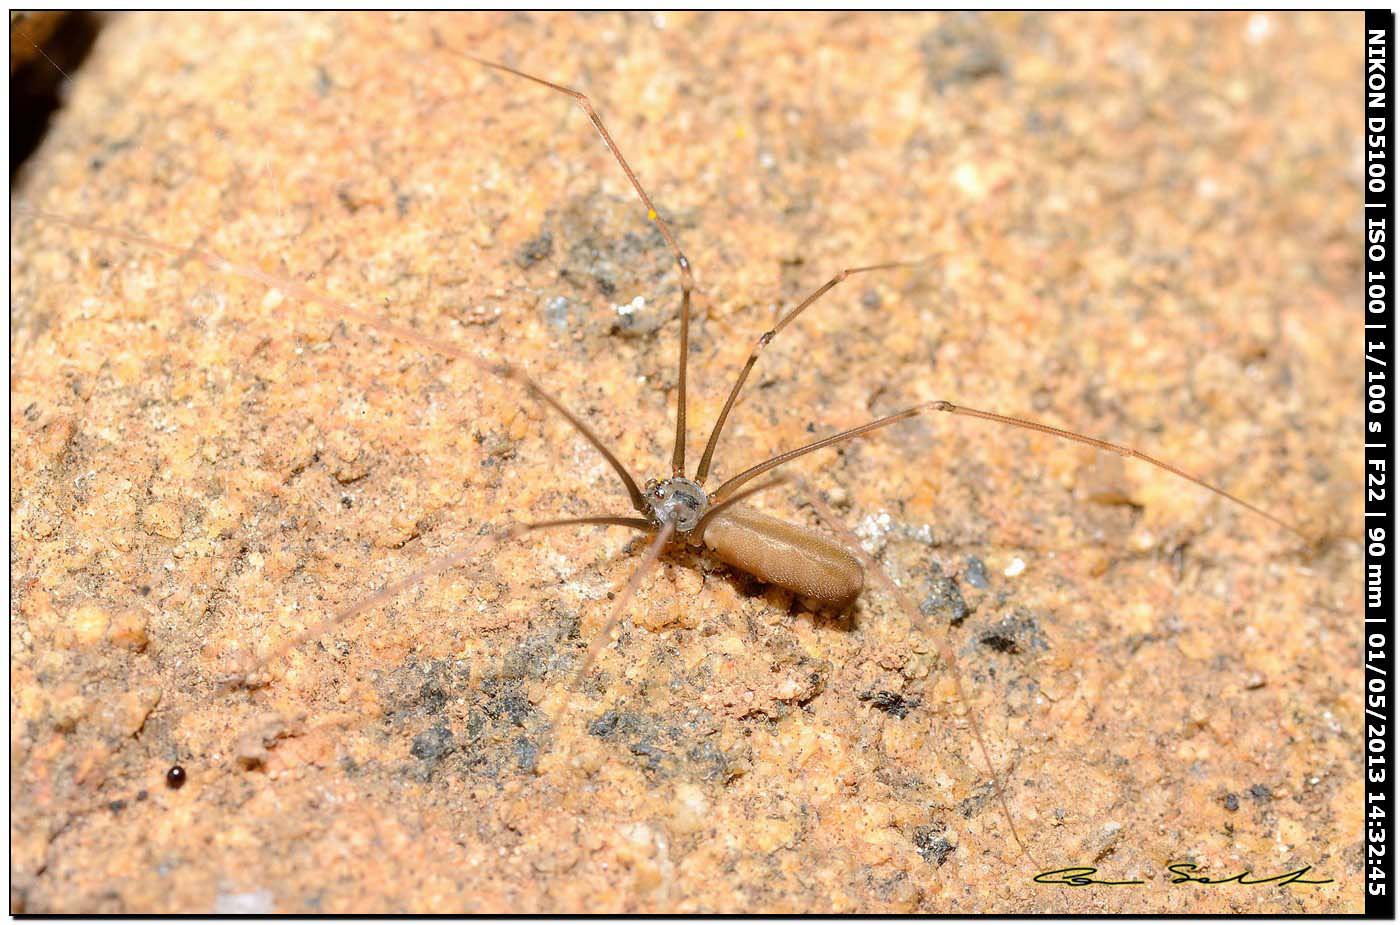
117, 806
141, 795
1232, 802
175, 778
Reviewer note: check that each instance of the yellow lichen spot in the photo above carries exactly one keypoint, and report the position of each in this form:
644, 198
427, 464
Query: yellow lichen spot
651, 214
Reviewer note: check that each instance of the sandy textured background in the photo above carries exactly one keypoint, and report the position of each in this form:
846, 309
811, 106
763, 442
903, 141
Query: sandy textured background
1148, 229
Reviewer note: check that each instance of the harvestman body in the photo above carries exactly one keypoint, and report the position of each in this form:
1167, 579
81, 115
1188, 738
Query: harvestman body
678, 508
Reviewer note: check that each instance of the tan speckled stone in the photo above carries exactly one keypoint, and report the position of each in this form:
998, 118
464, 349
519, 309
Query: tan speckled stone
162, 519
1145, 229
128, 630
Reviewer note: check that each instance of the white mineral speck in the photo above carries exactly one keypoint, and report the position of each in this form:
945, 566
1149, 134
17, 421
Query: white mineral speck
258, 902
1015, 568
556, 313
967, 178
872, 530
1258, 29
632, 307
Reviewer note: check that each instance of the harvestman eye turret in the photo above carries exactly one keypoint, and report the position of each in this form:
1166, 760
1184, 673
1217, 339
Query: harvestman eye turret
676, 508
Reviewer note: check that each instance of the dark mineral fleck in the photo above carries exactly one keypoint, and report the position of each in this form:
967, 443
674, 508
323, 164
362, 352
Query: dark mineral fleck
613, 722
931, 844
534, 250
961, 50
651, 753
999, 642
944, 599
527, 754
896, 705
976, 573
1013, 634
432, 743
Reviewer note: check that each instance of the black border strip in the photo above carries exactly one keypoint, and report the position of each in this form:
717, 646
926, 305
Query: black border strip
1379, 198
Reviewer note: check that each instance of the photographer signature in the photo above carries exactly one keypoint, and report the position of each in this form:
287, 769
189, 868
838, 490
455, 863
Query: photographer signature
1182, 872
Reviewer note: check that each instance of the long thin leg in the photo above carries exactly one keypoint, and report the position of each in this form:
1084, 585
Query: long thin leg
945, 651
507, 371
703, 471
305, 293
753, 472
1114, 448
636, 523
256, 676
602, 637
687, 280
945, 406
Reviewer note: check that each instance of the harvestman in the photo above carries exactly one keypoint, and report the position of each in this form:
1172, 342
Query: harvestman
677, 508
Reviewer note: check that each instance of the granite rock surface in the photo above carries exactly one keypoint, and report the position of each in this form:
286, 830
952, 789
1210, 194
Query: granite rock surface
1142, 227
